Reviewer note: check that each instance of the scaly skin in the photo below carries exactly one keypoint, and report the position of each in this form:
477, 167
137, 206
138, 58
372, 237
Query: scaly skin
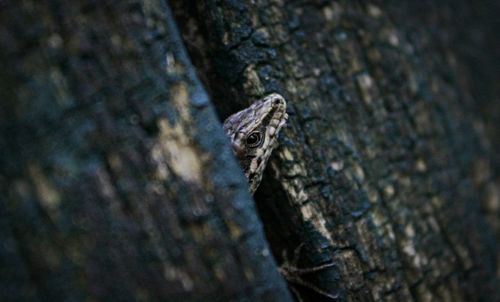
254, 134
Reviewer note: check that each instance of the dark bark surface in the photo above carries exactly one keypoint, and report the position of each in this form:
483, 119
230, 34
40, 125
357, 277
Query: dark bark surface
117, 181
118, 184
387, 170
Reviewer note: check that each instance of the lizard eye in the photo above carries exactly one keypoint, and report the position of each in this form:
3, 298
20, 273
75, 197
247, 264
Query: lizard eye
253, 139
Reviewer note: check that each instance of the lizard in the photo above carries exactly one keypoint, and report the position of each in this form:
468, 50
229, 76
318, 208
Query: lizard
254, 135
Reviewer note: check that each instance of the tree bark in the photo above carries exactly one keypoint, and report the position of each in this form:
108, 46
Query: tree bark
118, 183
117, 180
387, 170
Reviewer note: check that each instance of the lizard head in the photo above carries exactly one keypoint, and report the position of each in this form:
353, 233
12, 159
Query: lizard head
254, 133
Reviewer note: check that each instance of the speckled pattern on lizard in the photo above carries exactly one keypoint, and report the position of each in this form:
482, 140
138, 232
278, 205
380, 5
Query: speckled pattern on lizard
254, 134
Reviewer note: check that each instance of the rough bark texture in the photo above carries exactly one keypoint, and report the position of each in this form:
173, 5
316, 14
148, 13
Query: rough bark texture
117, 180
118, 184
386, 169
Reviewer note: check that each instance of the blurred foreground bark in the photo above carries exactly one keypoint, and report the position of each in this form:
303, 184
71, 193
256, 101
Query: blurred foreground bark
117, 181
